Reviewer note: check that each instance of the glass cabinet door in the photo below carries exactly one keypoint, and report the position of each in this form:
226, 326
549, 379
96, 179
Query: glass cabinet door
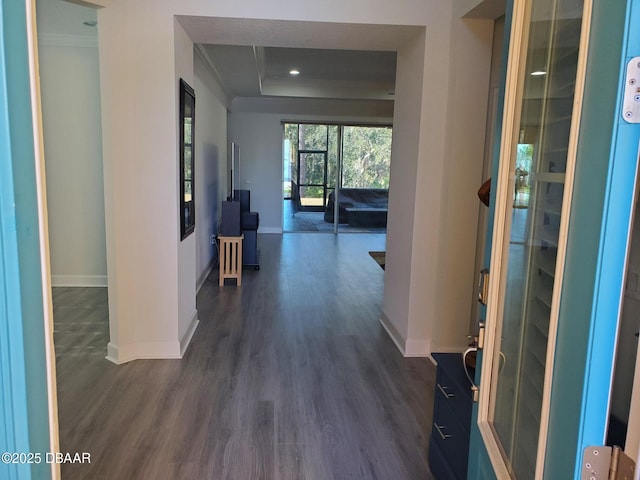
536, 164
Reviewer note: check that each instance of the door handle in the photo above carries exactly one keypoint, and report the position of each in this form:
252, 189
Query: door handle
444, 391
443, 435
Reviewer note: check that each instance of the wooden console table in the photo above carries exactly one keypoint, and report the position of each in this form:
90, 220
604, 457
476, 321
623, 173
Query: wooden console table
231, 259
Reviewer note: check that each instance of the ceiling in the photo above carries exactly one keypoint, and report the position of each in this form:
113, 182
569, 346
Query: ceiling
251, 58
344, 61
255, 71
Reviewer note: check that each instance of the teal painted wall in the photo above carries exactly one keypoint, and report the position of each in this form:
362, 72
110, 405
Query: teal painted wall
25, 418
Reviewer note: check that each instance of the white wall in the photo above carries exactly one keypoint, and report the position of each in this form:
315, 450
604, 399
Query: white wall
471, 48
259, 137
403, 184
186, 286
210, 163
138, 76
70, 87
433, 208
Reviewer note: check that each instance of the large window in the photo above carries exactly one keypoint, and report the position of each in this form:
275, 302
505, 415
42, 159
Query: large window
311, 159
355, 158
366, 157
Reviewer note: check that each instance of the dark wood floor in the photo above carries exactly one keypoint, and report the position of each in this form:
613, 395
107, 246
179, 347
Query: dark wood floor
288, 377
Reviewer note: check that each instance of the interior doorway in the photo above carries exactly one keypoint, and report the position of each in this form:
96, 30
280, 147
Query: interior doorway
75, 201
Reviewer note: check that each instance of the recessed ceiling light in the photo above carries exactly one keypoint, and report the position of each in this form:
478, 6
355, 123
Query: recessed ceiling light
294, 72
90, 23
538, 73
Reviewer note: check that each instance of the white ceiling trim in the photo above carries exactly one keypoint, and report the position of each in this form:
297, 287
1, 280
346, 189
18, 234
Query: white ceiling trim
329, 89
299, 34
258, 56
209, 65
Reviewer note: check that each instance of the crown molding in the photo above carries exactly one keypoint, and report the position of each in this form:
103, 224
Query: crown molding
213, 71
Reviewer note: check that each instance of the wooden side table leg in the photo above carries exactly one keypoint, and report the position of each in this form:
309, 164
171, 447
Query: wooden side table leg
239, 264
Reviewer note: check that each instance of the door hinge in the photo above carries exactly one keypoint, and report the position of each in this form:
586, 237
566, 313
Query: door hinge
476, 342
480, 339
631, 107
475, 393
483, 286
607, 463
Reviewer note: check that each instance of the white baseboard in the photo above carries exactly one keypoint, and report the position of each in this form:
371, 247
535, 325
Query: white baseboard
270, 230
393, 333
112, 353
205, 275
79, 280
188, 335
417, 348
153, 350
408, 348
137, 351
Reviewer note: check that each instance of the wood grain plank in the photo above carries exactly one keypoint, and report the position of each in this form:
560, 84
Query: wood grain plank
290, 376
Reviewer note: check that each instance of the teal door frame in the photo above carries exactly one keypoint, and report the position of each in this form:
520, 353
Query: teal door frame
603, 200
24, 401
601, 212
479, 463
